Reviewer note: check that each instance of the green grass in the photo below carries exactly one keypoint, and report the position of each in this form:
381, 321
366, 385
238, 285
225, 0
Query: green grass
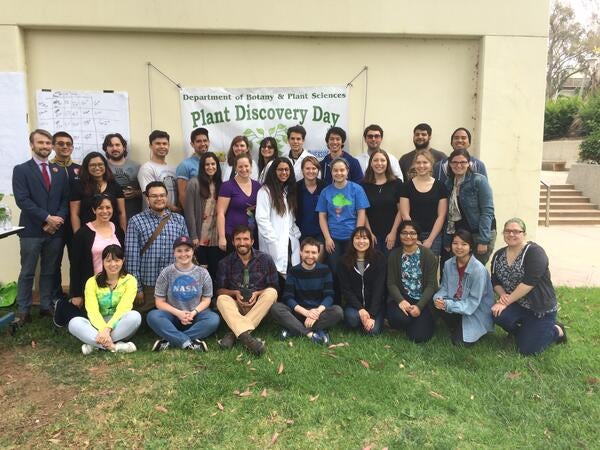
410, 396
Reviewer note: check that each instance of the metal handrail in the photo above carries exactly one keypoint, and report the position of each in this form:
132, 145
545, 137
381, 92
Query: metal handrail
547, 216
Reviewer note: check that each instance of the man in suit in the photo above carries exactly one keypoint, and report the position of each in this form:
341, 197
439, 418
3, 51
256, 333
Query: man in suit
41, 191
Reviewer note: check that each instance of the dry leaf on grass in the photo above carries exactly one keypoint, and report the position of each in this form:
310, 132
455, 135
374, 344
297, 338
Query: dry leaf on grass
274, 438
290, 343
213, 414
312, 398
513, 375
161, 408
436, 395
364, 363
246, 393
33, 344
341, 344
592, 380
220, 406
280, 368
289, 422
264, 392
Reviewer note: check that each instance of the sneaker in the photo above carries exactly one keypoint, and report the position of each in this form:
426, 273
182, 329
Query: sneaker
227, 341
320, 337
284, 334
197, 345
125, 347
562, 339
256, 346
160, 345
86, 349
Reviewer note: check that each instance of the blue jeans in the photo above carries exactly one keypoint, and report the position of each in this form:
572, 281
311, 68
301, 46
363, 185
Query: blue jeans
169, 327
533, 333
381, 245
436, 246
46, 249
352, 320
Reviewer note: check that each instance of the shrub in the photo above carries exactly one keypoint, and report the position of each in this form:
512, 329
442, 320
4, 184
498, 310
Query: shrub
559, 115
589, 150
590, 114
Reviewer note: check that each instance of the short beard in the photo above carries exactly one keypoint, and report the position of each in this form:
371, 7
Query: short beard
421, 146
111, 158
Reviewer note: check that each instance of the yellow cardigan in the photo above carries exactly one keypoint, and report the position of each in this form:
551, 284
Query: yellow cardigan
101, 302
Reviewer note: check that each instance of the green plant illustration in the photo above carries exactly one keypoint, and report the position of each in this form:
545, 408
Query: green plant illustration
278, 132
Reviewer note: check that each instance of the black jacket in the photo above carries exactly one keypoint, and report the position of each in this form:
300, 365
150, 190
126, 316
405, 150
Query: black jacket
82, 264
364, 291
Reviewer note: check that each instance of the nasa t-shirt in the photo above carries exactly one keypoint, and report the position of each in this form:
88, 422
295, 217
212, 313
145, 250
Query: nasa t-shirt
183, 289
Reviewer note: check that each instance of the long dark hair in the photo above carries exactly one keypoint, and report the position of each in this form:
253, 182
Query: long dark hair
88, 184
277, 189
370, 173
230, 155
349, 258
261, 159
204, 180
115, 252
409, 223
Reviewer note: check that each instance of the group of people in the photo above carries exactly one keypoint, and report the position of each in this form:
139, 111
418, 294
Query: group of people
310, 243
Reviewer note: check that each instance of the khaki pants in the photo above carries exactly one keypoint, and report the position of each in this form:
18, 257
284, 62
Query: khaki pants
239, 321
148, 301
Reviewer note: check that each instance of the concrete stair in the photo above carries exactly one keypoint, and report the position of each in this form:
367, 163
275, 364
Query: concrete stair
568, 206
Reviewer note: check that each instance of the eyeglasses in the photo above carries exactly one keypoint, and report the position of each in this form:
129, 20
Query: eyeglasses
513, 232
408, 233
64, 144
373, 136
282, 169
459, 163
155, 196
267, 146
96, 166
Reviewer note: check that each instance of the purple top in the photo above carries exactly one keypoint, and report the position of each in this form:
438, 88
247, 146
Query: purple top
241, 207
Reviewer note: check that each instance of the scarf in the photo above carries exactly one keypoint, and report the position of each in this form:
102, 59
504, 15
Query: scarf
453, 208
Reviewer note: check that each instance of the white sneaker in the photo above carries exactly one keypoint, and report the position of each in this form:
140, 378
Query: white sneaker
125, 347
86, 349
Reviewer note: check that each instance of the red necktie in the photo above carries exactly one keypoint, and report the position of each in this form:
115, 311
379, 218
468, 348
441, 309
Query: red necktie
45, 176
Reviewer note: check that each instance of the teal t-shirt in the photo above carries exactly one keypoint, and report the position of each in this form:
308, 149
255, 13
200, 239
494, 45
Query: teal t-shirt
341, 206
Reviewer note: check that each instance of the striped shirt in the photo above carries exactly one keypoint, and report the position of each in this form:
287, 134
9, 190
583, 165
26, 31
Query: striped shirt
309, 288
159, 255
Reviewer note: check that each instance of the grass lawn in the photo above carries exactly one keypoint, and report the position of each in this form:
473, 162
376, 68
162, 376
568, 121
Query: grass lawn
373, 392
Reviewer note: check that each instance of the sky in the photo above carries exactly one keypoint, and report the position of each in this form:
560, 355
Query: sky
584, 9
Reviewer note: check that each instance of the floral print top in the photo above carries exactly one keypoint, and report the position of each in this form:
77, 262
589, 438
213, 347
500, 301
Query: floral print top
412, 275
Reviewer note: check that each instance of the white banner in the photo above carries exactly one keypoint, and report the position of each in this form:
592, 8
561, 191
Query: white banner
260, 112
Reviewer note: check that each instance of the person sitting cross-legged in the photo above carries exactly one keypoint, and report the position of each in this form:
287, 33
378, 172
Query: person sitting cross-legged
308, 295
247, 283
182, 295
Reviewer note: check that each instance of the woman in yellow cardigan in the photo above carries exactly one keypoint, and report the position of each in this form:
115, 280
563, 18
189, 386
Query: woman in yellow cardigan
109, 299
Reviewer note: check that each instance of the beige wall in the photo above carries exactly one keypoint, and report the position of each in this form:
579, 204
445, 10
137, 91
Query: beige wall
467, 63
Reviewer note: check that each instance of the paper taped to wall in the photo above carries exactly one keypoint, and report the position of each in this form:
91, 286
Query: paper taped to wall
88, 116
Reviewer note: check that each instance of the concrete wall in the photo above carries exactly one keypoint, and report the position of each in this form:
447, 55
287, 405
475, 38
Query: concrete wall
478, 64
562, 150
586, 178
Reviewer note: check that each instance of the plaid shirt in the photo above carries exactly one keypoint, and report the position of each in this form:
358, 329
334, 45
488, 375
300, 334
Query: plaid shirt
261, 268
159, 255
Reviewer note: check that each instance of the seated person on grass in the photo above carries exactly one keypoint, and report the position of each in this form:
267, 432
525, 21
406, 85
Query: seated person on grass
183, 292
308, 295
247, 282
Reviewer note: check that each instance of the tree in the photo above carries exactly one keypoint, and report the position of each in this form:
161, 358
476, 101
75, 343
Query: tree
569, 49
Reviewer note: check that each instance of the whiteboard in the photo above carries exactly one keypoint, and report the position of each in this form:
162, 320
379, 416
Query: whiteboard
14, 132
88, 116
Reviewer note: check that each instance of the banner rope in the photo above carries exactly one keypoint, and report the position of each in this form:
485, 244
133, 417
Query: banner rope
365, 69
148, 66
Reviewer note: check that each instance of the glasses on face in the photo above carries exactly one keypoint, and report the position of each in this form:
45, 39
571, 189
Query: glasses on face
283, 169
512, 232
96, 165
267, 146
155, 196
373, 136
64, 144
408, 233
459, 163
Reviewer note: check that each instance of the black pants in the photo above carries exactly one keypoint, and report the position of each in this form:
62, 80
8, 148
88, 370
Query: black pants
209, 257
454, 324
418, 329
283, 316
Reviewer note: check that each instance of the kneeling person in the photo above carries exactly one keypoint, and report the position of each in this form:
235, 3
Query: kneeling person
247, 281
308, 295
182, 294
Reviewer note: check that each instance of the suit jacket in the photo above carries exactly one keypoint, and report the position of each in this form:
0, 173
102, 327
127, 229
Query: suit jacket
35, 202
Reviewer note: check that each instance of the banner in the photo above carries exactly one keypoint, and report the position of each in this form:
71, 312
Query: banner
261, 112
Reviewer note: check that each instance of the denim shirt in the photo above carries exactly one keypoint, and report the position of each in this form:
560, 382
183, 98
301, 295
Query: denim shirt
477, 205
477, 299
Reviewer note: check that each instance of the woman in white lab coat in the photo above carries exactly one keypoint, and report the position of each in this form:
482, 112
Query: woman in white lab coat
278, 233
